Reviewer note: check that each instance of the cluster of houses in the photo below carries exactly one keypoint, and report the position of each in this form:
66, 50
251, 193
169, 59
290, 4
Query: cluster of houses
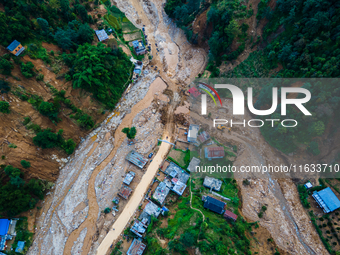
176, 179
7, 233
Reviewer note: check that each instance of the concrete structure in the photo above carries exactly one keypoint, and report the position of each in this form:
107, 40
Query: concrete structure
20, 247
214, 152
308, 185
212, 183
150, 209
178, 187
193, 163
327, 200
125, 192
192, 133
230, 215
136, 159
203, 137
136, 247
139, 47
15, 48
102, 35
129, 177
214, 205
174, 171
138, 228
161, 193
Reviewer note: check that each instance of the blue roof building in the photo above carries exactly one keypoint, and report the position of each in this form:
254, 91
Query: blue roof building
20, 247
139, 47
327, 200
4, 226
102, 35
15, 48
214, 205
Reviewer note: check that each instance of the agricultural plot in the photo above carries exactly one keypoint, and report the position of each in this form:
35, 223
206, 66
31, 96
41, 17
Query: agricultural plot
128, 37
123, 26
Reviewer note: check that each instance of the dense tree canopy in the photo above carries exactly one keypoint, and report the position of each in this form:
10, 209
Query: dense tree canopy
16, 195
101, 71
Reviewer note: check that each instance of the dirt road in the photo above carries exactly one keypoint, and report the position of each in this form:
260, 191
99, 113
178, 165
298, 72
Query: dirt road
136, 198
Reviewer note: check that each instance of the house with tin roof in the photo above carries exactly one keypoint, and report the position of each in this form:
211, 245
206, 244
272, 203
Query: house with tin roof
15, 48
102, 35
213, 204
136, 247
136, 159
139, 47
327, 200
125, 192
214, 152
230, 215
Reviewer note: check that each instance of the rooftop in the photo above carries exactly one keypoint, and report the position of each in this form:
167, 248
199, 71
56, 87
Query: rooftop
13, 45
176, 172
136, 247
179, 187
212, 183
214, 205
193, 163
129, 177
161, 192
20, 247
138, 228
4, 225
136, 159
125, 192
152, 209
192, 133
102, 35
327, 200
214, 152
230, 215
204, 136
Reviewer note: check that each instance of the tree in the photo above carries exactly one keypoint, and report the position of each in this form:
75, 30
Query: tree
85, 34
4, 87
187, 239
314, 148
6, 66
27, 69
43, 25
69, 146
4, 107
50, 110
101, 71
82, 12
25, 164
130, 132
46, 139
86, 121
65, 38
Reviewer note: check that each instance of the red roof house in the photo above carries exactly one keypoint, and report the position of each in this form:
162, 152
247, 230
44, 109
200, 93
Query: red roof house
229, 215
214, 152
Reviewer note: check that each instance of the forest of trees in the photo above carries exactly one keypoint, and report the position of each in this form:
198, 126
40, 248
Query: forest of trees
16, 194
100, 70
309, 47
